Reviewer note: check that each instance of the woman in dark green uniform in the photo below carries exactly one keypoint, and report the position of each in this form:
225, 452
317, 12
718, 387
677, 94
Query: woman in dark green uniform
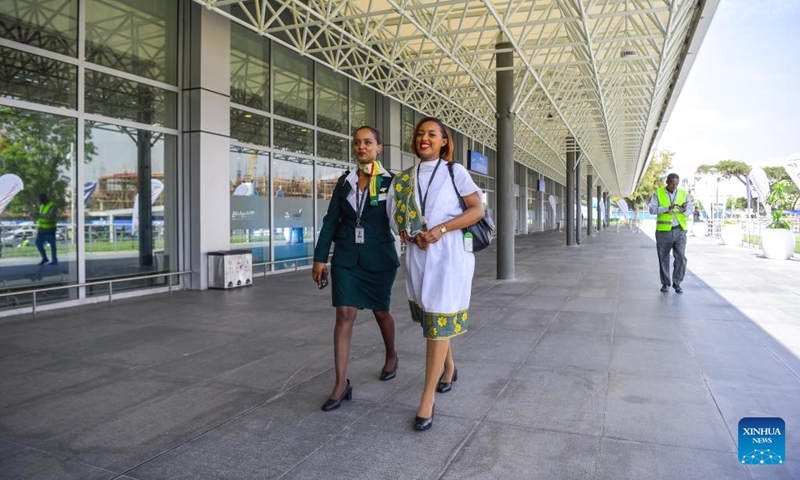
364, 262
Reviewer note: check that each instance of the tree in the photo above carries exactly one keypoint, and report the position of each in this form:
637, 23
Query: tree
653, 179
39, 148
727, 169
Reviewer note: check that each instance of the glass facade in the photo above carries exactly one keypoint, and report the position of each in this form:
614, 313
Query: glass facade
126, 149
250, 203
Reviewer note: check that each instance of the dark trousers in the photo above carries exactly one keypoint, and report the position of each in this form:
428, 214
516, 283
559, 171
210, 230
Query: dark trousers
674, 241
41, 239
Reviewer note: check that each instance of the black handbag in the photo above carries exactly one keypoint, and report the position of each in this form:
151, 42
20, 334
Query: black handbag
481, 231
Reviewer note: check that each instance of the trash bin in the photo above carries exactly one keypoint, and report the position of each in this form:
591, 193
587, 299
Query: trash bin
230, 269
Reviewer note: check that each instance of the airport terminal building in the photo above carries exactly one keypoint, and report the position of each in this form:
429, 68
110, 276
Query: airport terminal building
163, 130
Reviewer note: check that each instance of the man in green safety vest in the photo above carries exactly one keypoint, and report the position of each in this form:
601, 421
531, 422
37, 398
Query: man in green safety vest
671, 205
46, 229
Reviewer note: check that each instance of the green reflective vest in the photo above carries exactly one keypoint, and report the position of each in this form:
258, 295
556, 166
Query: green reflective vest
664, 220
44, 223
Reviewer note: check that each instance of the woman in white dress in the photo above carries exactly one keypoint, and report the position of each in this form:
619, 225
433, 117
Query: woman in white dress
439, 262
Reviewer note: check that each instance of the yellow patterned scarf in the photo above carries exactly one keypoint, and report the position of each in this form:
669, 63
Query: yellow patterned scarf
374, 170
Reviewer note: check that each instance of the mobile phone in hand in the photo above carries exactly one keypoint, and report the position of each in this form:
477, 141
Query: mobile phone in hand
323, 280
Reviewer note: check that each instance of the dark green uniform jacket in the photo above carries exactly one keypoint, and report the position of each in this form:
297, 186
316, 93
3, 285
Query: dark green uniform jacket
377, 253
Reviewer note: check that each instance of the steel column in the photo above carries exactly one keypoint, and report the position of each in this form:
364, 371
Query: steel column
570, 193
506, 207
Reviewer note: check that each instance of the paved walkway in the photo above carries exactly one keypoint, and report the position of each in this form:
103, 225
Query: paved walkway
579, 369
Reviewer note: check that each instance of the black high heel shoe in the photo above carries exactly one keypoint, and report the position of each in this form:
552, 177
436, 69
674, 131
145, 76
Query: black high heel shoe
444, 387
390, 375
421, 423
332, 404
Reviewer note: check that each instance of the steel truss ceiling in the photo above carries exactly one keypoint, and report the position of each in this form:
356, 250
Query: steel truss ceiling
603, 71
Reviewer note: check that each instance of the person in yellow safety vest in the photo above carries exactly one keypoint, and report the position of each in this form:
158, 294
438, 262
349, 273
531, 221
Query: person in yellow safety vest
46, 229
671, 205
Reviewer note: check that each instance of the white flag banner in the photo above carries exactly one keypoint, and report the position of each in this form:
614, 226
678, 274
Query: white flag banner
245, 189
760, 184
156, 188
623, 207
792, 167
552, 201
10, 186
602, 210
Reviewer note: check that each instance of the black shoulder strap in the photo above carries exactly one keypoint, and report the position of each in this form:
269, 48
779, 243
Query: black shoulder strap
453, 178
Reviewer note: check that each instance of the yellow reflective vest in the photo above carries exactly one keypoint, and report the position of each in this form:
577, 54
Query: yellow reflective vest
664, 220
45, 223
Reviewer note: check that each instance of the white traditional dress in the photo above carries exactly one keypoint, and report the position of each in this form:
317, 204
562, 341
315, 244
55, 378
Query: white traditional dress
439, 280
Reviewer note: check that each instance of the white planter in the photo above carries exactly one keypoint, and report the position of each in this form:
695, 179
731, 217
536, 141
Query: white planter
699, 229
777, 243
731, 234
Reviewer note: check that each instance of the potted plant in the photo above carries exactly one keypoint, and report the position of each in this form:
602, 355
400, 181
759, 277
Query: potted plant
731, 233
777, 240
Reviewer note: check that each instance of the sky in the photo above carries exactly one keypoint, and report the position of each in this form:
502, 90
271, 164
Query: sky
741, 100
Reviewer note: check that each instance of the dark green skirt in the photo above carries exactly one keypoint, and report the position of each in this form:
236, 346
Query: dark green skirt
355, 287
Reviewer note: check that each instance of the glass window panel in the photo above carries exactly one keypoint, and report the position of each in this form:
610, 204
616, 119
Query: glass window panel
250, 202
293, 211
119, 98
249, 128
294, 88
37, 155
332, 103
327, 176
24, 76
136, 37
407, 125
294, 138
48, 24
128, 234
362, 106
333, 146
249, 68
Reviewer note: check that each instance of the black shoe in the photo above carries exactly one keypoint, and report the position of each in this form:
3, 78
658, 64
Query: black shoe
390, 375
664, 288
44, 260
678, 290
334, 404
421, 424
445, 387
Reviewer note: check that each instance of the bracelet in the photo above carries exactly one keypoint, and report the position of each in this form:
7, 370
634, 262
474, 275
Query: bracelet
442, 229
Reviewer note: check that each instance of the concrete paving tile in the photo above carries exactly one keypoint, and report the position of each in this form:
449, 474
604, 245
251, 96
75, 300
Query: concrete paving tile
541, 302
590, 305
496, 344
562, 400
151, 428
495, 299
621, 460
13, 365
699, 332
517, 287
579, 323
264, 443
654, 358
525, 319
283, 370
739, 400
66, 373
37, 465
648, 410
543, 290
584, 352
745, 364
8, 448
510, 452
52, 416
383, 443
655, 327
477, 388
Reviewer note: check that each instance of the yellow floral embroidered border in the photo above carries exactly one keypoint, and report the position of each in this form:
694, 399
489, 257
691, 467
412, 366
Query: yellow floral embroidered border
406, 211
437, 325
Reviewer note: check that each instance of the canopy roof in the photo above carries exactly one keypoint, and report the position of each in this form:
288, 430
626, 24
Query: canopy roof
606, 72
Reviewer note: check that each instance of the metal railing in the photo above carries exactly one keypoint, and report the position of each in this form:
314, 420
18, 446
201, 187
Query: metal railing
109, 282
288, 260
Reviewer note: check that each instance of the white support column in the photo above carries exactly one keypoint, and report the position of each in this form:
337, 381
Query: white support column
206, 139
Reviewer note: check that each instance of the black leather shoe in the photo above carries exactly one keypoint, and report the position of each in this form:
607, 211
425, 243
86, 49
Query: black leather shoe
334, 404
664, 288
678, 290
444, 387
422, 424
390, 375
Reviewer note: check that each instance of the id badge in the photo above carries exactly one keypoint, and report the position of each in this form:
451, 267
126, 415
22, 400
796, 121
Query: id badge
467, 242
359, 234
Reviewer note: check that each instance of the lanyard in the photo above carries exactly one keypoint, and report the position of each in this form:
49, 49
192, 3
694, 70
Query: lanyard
360, 200
419, 188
